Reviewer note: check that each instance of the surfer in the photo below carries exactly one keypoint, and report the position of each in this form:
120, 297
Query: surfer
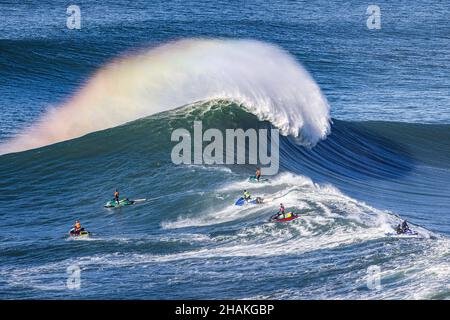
247, 195
258, 174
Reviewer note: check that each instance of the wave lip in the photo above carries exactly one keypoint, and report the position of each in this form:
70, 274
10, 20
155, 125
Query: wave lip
265, 79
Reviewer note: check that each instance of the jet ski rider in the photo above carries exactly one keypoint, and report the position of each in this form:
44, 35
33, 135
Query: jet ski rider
281, 211
247, 195
258, 174
116, 196
403, 227
77, 227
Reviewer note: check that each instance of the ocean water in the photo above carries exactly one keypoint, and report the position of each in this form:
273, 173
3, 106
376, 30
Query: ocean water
365, 123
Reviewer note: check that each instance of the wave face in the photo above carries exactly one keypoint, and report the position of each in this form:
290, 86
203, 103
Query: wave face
350, 189
264, 78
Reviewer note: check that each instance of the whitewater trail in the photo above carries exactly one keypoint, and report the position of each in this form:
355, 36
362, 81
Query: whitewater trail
262, 77
320, 206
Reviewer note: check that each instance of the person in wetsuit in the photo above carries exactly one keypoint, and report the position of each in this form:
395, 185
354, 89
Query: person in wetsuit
116, 196
281, 211
258, 174
76, 228
402, 228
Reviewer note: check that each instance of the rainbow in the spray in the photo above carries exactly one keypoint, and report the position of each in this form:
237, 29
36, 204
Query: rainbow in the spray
268, 81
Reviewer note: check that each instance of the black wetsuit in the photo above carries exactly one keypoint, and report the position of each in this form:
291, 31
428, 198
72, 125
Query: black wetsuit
405, 226
402, 228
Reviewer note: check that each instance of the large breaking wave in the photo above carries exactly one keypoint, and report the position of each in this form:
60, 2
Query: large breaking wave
265, 79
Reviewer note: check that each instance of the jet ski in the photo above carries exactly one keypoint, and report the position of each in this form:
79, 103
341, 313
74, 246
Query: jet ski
253, 179
122, 203
403, 233
241, 201
289, 216
80, 233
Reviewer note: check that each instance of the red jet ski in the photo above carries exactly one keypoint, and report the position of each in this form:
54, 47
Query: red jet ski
284, 217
